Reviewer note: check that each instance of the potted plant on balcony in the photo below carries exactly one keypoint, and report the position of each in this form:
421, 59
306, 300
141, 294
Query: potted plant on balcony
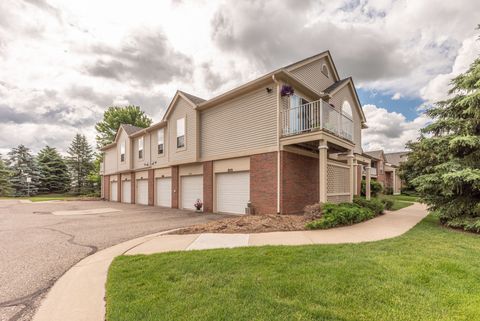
198, 205
286, 90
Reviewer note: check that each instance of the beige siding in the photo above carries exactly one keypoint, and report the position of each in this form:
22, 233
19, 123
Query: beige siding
337, 100
111, 161
245, 123
156, 159
145, 161
188, 154
312, 75
126, 165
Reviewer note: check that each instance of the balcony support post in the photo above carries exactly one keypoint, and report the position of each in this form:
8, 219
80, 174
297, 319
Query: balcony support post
350, 161
367, 182
322, 170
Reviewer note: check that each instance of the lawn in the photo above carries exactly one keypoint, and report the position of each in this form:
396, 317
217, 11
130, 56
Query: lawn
430, 273
401, 201
46, 197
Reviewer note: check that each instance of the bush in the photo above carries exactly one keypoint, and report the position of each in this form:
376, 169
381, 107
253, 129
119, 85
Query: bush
469, 224
313, 211
374, 204
375, 188
340, 214
387, 203
388, 190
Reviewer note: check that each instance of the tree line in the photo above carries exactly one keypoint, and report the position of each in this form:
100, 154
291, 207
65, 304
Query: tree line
22, 173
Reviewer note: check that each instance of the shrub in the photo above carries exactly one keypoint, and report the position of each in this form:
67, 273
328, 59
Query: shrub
341, 214
387, 203
374, 204
375, 188
313, 211
388, 190
469, 224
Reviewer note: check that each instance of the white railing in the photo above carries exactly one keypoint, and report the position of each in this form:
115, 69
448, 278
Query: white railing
317, 115
373, 171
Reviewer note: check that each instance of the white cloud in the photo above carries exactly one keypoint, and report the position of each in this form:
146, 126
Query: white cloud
396, 96
389, 131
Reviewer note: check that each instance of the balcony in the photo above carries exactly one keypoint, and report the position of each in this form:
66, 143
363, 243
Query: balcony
316, 115
373, 171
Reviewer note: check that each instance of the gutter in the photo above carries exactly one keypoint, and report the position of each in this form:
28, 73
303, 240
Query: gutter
278, 143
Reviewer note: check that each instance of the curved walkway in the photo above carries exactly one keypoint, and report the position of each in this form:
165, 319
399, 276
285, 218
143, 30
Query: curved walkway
79, 294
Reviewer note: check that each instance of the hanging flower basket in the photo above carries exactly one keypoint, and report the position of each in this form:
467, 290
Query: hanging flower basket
286, 91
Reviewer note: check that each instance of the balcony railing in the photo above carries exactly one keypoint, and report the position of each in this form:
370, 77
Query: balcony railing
373, 171
317, 115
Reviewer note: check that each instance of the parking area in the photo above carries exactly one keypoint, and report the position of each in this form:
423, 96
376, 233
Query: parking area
40, 241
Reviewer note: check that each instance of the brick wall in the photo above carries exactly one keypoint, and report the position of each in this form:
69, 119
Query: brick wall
208, 186
299, 182
175, 186
263, 183
132, 187
106, 187
119, 188
151, 187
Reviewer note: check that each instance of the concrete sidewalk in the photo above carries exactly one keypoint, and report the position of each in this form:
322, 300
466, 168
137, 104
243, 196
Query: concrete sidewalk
79, 294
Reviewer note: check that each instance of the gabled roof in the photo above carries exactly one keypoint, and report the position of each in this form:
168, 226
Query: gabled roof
336, 85
194, 99
396, 158
311, 59
130, 129
377, 154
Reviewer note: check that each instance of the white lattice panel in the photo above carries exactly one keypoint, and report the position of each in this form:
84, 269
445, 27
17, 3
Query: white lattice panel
338, 198
338, 179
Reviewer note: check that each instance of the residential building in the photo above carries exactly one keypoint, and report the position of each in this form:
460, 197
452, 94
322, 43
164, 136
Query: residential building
273, 145
384, 169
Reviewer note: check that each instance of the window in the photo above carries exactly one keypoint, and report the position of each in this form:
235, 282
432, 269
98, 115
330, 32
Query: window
140, 148
347, 109
160, 141
122, 152
325, 70
181, 133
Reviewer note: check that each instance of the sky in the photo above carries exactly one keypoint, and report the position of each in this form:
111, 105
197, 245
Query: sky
63, 62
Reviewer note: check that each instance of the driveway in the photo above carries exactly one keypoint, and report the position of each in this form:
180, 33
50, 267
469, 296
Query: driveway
40, 241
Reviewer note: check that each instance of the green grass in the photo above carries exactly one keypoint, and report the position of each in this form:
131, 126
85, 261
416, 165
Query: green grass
430, 273
407, 198
399, 205
46, 197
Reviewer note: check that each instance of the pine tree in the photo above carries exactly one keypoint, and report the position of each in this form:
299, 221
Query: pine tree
54, 175
23, 167
5, 186
80, 164
445, 161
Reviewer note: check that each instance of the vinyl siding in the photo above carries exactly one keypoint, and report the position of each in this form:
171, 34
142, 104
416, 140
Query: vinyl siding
337, 100
145, 161
123, 137
159, 160
247, 122
188, 154
312, 75
110, 161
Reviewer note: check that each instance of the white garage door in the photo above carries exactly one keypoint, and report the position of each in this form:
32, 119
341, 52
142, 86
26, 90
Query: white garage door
191, 190
126, 192
142, 191
113, 191
164, 192
233, 192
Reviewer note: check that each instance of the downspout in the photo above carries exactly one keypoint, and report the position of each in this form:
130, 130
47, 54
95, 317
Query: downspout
278, 143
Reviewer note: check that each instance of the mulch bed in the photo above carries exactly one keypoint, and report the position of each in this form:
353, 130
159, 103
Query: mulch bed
250, 224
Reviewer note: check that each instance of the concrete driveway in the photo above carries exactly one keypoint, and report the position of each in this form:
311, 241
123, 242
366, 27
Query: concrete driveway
40, 241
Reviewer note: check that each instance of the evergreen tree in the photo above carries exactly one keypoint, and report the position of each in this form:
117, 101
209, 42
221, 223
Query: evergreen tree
54, 175
94, 177
23, 167
5, 186
445, 161
114, 117
80, 164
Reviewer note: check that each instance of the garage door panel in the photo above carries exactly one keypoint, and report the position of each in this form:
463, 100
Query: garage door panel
232, 192
191, 190
164, 192
142, 191
126, 192
113, 191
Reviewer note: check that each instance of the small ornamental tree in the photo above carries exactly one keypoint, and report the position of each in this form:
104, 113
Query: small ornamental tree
5, 186
54, 175
445, 160
24, 171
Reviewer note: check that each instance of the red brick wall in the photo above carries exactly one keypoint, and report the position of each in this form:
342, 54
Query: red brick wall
263, 183
106, 187
175, 185
132, 187
208, 186
299, 182
119, 188
151, 187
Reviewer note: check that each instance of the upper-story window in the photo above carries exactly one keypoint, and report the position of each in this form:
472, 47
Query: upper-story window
122, 152
140, 148
160, 141
347, 109
325, 70
181, 133
297, 101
